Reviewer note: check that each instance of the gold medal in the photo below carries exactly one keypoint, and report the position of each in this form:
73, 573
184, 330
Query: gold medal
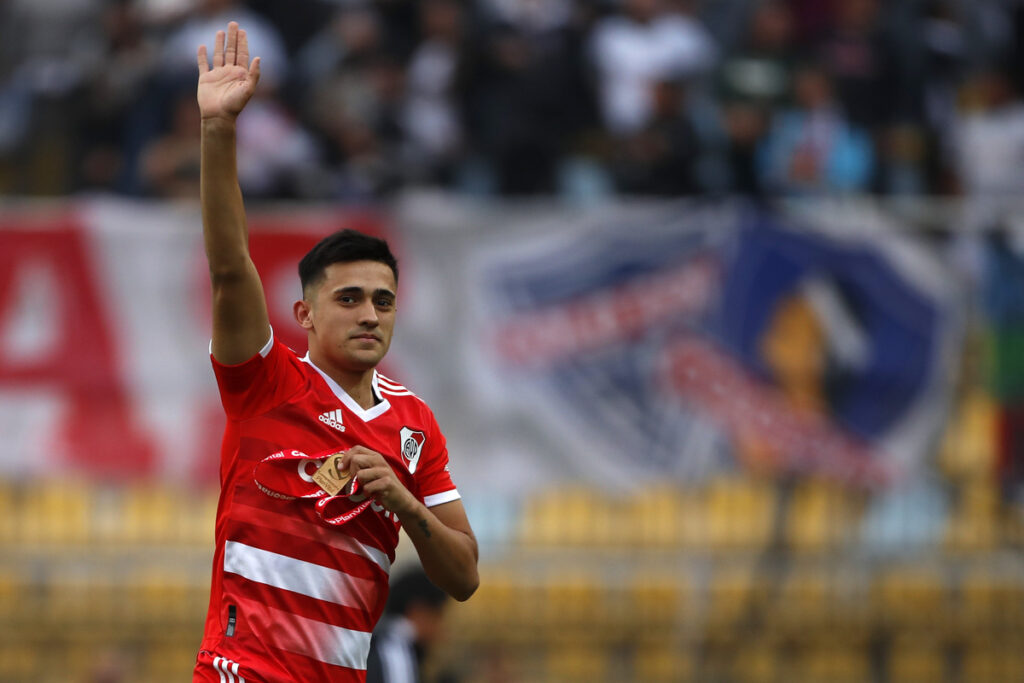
330, 477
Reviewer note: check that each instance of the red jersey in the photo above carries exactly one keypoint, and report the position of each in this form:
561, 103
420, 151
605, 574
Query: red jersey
292, 597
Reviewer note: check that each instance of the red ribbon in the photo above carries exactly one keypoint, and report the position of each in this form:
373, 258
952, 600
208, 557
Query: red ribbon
288, 475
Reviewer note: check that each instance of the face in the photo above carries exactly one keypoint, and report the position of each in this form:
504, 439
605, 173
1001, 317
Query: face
350, 315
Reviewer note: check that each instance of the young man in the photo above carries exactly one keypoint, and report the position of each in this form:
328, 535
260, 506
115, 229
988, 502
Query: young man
301, 568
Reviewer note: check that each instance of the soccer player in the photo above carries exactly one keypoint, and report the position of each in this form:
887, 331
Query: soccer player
300, 572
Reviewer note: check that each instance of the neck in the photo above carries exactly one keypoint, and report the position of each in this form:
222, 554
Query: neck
357, 383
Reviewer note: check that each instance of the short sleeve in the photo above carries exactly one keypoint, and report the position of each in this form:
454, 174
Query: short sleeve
434, 476
259, 384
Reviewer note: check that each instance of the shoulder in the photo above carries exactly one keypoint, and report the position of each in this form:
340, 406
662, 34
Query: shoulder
396, 392
399, 395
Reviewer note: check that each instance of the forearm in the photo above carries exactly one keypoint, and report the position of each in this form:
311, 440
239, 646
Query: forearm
240, 321
225, 233
449, 556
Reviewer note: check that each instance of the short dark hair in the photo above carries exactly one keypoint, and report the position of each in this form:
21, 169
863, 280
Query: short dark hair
344, 246
414, 588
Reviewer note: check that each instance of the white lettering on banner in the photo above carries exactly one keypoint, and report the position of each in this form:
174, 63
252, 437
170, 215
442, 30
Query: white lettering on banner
599, 319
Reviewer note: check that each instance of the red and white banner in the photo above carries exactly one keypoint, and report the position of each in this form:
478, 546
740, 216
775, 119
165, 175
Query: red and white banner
104, 333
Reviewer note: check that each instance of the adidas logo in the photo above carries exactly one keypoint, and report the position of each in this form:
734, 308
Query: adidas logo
332, 418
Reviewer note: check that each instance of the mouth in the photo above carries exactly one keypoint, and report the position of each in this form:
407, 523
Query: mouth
366, 337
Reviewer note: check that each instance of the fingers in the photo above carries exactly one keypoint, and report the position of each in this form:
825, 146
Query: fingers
254, 71
243, 48
358, 458
231, 49
218, 50
204, 64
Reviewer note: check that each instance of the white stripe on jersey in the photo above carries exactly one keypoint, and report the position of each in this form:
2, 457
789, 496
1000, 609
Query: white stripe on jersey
443, 497
225, 667
298, 576
313, 532
390, 385
382, 390
324, 642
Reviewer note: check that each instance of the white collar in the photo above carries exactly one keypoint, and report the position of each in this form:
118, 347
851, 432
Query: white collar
362, 413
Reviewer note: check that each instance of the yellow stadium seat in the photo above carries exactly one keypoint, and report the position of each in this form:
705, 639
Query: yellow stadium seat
576, 607
827, 663
656, 602
994, 662
974, 526
169, 661
577, 664
755, 663
18, 663
659, 517
968, 450
822, 516
914, 662
992, 602
663, 663
913, 598
574, 517
733, 593
740, 514
8, 509
56, 513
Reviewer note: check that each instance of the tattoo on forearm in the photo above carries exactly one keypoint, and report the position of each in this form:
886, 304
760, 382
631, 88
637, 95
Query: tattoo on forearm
423, 527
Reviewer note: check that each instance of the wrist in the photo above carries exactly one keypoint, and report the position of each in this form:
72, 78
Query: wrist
218, 124
410, 509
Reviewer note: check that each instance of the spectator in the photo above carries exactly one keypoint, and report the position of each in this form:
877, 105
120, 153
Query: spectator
753, 82
811, 146
862, 63
661, 159
989, 137
524, 103
170, 164
638, 48
430, 118
353, 102
210, 16
114, 84
413, 623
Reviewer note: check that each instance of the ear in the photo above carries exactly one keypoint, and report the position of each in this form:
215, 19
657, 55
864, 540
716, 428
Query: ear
303, 314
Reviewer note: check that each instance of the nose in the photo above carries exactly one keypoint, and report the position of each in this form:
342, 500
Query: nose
368, 315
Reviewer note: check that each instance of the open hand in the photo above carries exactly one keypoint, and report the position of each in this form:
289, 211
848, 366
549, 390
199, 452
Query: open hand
224, 89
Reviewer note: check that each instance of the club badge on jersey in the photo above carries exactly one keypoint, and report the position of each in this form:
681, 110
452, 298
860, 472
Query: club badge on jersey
412, 446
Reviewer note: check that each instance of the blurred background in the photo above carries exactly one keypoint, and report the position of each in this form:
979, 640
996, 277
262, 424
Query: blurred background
720, 304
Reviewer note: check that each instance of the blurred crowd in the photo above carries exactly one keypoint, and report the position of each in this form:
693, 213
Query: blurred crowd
574, 98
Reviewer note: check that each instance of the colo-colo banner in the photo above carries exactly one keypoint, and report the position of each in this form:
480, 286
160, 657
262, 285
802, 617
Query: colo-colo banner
679, 339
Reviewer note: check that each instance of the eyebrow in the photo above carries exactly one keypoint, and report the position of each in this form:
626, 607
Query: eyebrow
360, 290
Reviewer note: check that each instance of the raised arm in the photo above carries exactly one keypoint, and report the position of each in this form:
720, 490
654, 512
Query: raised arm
241, 326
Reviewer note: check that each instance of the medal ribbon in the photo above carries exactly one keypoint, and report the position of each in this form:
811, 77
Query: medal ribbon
288, 475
